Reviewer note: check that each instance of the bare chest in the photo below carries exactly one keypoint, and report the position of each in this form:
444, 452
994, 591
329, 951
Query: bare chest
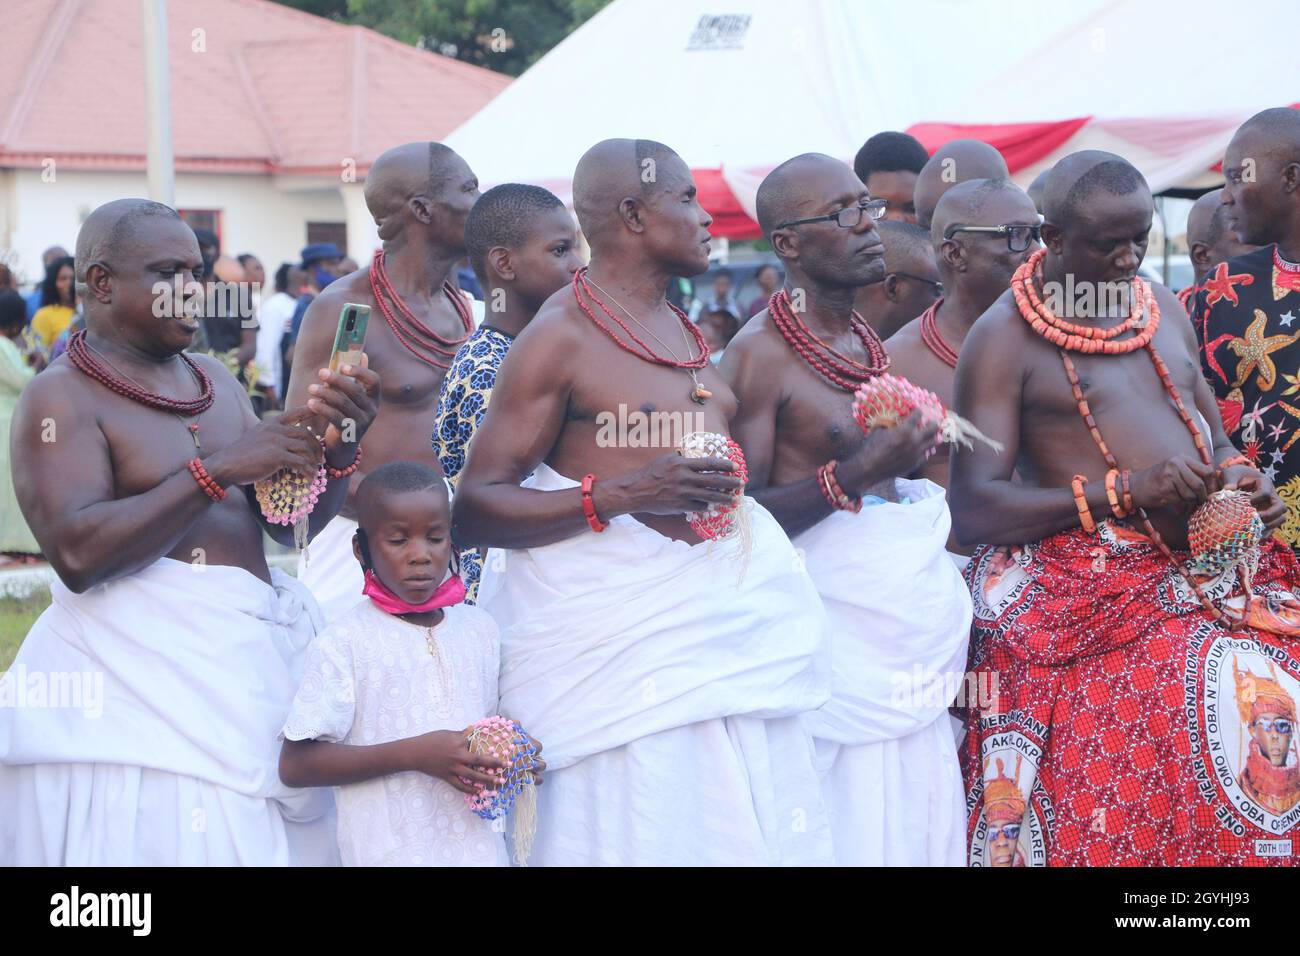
409, 376
814, 424
621, 401
147, 445
1133, 411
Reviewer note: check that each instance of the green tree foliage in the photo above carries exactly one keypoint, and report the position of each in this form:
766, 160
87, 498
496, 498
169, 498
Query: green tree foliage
503, 35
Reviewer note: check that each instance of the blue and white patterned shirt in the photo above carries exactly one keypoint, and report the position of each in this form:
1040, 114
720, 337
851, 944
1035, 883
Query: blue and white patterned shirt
466, 391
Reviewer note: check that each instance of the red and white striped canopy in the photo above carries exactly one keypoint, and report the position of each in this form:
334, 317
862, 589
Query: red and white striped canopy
738, 86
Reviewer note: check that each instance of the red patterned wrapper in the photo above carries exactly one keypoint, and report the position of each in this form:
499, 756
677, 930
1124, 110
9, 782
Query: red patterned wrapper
1123, 724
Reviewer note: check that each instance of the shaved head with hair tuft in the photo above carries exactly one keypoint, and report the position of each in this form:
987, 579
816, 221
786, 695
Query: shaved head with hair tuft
612, 171
403, 173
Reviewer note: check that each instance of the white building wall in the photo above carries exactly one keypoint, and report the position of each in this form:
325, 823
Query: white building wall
260, 215
363, 234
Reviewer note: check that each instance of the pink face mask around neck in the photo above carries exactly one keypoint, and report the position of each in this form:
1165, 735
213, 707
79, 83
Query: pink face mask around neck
449, 592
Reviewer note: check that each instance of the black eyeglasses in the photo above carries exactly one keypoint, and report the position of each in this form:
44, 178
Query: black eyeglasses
1018, 237
936, 286
848, 217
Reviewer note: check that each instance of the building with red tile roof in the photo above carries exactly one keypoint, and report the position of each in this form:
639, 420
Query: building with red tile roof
276, 116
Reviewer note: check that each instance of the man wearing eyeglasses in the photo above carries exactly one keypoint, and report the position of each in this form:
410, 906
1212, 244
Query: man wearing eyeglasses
982, 230
910, 282
872, 541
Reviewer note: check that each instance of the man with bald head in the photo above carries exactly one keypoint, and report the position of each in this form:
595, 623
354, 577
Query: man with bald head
134, 467
909, 283
1209, 242
1103, 640
982, 230
420, 195
667, 674
872, 540
955, 162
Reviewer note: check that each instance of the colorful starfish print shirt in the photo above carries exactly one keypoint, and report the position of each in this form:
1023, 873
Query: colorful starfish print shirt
1247, 318
463, 401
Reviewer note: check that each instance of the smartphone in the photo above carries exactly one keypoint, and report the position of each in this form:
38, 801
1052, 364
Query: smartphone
350, 337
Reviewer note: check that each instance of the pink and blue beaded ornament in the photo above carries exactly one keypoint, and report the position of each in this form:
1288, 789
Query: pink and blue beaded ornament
504, 739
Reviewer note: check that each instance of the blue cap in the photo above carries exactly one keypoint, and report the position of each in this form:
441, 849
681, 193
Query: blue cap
318, 251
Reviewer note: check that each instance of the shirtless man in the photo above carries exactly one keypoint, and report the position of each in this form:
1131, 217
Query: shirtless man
1095, 637
639, 653
897, 605
982, 230
147, 516
420, 195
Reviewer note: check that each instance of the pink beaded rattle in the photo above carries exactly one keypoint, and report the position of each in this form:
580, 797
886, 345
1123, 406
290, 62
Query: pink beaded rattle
289, 496
886, 400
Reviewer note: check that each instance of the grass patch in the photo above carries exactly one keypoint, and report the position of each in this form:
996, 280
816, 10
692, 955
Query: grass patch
17, 615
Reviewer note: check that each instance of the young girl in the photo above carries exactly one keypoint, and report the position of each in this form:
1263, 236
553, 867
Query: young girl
390, 686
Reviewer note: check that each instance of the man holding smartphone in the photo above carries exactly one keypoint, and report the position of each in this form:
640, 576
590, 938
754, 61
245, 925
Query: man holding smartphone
420, 195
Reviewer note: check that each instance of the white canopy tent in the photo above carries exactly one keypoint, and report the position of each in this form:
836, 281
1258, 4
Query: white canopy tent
738, 86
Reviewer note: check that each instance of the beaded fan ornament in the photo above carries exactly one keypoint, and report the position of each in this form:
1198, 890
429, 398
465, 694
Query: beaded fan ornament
289, 496
887, 399
504, 739
1225, 534
721, 521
